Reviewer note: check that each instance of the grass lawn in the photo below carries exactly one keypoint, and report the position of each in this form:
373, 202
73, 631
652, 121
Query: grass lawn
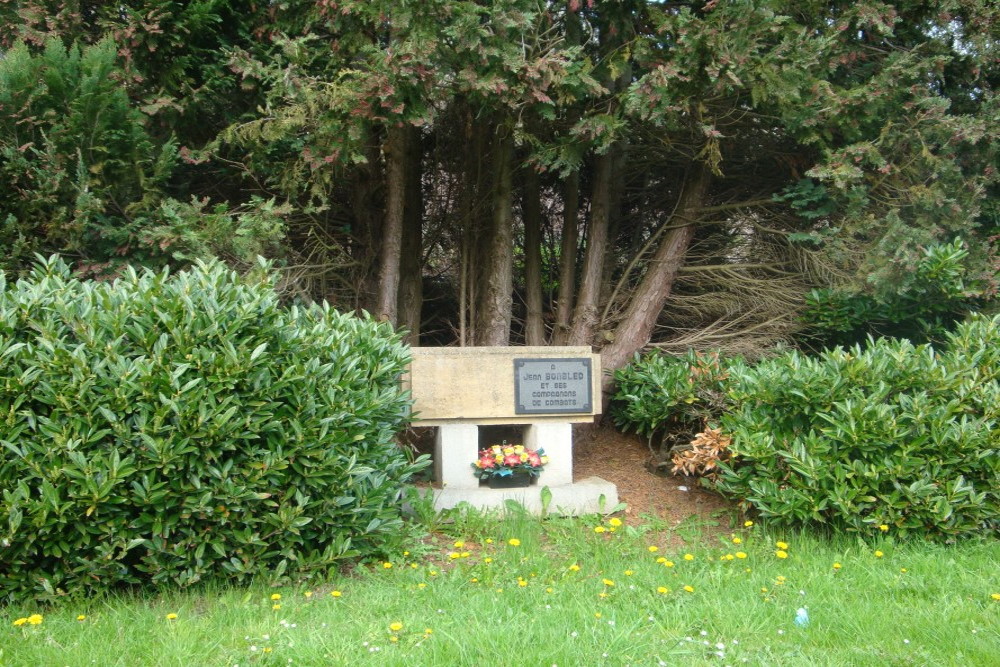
521, 591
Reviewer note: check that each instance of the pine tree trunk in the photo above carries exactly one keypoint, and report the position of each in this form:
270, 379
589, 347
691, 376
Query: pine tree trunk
410, 295
366, 221
392, 226
567, 259
534, 327
585, 313
636, 326
497, 258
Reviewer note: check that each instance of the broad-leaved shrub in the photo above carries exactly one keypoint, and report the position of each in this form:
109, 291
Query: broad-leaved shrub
167, 428
669, 399
892, 433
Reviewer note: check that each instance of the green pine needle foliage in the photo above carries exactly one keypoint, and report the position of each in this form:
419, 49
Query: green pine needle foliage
171, 428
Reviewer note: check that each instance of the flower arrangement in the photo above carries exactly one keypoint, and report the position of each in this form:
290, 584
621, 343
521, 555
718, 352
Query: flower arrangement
505, 460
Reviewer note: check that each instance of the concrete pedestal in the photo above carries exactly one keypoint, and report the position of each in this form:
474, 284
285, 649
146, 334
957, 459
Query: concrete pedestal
589, 496
457, 447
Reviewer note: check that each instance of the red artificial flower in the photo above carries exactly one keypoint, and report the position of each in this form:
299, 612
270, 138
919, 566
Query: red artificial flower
512, 460
486, 462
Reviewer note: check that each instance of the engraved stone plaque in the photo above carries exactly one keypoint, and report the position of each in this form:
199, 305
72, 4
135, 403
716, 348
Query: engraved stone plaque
552, 386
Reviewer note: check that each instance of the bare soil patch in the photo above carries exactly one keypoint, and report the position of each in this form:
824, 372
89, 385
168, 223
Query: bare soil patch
600, 450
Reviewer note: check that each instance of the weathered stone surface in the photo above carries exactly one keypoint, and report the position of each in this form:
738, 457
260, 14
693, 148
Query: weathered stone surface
477, 384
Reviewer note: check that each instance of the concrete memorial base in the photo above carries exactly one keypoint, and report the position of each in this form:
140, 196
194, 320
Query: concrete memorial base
542, 390
589, 496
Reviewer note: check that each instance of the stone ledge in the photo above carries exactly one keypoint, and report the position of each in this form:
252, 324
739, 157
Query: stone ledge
582, 497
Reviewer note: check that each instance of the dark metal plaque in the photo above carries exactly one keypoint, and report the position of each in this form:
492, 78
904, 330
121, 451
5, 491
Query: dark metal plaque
552, 386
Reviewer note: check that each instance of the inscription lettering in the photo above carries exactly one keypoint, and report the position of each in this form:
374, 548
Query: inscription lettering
553, 386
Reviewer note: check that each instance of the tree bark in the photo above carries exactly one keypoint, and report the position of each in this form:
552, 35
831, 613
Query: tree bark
366, 220
585, 313
636, 326
410, 294
567, 259
496, 282
534, 327
392, 226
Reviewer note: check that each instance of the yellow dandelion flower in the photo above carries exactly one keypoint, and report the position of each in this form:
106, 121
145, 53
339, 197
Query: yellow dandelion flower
741, 555
453, 555
21, 621
628, 573
837, 566
459, 544
597, 614
549, 589
607, 582
428, 631
413, 566
781, 578
487, 560
394, 639
884, 528
995, 596
763, 589
489, 540
737, 540
35, 619
689, 588
781, 553
275, 596
171, 616
668, 563
81, 617
599, 529
308, 594
903, 570
335, 594
433, 573
602, 595
421, 585
688, 556
522, 583
661, 559
406, 553
878, 554
266, 649
747, 524
275, 607
615, 521
781, 545
396, 626
387, 565
662, 590
653, 548
514, 542
574, 568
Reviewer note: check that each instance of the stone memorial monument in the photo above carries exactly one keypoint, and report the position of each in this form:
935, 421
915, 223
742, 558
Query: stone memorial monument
541, 390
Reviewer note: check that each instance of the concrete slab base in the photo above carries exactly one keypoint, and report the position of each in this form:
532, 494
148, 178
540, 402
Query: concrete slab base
589, 496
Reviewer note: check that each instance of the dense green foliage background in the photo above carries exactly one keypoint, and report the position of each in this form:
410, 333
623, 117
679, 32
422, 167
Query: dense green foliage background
170, 428
839, 140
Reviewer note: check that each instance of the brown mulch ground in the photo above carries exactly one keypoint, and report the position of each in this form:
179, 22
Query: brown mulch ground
601, 451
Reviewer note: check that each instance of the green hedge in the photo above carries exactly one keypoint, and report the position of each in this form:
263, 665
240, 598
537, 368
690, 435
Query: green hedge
171, 428
670, 399
895, 434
